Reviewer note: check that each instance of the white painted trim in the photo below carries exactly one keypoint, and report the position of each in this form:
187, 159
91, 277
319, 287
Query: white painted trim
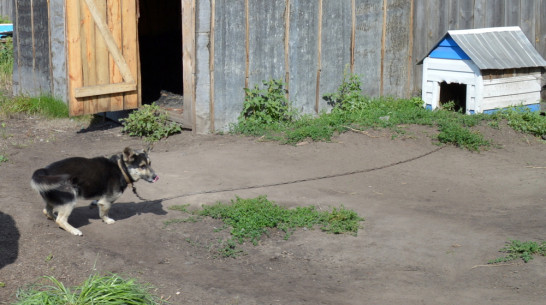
486, 30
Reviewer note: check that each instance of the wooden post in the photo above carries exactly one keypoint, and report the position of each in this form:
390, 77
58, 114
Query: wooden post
188, 63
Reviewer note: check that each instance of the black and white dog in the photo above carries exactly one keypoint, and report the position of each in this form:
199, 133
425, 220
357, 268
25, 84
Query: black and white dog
61, 183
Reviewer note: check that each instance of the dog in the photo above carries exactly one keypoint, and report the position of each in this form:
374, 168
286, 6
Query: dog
63, 182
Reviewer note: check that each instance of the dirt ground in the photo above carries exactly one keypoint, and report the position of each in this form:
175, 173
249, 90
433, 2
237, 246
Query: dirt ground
432, 220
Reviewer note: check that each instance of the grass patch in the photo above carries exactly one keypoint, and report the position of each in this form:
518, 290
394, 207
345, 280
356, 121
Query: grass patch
525, 250
42, 105
250, 219
352, 108
95, 290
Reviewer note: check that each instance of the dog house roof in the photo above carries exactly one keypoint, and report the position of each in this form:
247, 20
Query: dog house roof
489, 48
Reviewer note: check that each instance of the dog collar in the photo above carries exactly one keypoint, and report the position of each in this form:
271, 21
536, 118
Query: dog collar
122, 167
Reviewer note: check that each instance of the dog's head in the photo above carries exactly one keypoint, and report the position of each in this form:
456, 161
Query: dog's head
139, 165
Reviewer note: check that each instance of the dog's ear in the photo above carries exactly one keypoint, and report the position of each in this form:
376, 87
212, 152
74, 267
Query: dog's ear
128, 154
149, 147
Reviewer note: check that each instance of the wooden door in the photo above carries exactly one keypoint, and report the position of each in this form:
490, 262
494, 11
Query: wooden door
103, 65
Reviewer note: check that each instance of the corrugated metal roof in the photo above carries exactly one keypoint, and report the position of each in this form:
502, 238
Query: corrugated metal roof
496, 48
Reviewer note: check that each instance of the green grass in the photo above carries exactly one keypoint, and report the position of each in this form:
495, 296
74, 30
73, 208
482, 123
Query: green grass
46, 106
353, 109
6, 63
250, 219
96, 290
525, 250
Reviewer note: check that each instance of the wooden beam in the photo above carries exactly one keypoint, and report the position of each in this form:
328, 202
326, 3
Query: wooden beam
188, 63
89, 91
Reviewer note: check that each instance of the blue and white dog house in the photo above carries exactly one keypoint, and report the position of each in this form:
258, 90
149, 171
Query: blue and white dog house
482, 70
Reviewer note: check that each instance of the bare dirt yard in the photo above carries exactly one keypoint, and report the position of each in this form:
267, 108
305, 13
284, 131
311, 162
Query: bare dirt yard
433, 218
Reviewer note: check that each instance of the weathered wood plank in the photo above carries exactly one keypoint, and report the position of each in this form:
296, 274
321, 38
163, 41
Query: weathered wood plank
58, 49
541, 32
335, 49
395, 63
466, 14
453, 14
42, 68
91, 91
115, 27
102, 56
527, 21
494, 13
130, 55
266, 38
420, 41
203, 48
303, 51
75, 73
229, 61
88, 54
368, 42
23, 79
479, 14
188, 62
512, 13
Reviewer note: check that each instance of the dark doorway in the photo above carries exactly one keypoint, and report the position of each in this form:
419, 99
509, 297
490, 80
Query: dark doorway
455, 93
160, 44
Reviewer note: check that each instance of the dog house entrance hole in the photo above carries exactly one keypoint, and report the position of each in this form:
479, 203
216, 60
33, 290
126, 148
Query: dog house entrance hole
453, 93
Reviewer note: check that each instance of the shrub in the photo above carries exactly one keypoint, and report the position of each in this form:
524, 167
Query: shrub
265, 107
150, 122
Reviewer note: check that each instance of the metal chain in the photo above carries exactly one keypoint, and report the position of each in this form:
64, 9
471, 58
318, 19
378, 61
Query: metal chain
292, 181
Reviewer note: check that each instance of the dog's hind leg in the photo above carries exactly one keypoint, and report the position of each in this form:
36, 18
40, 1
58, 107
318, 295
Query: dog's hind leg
104, 207
63, 212
48, 211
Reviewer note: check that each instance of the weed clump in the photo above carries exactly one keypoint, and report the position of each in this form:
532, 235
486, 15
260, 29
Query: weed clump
151, 123
525, 250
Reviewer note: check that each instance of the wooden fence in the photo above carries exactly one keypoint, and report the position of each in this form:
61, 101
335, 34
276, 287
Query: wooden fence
309, 44
6, 9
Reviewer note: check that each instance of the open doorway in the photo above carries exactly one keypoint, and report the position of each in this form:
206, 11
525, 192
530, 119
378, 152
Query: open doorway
455, 93
160, 44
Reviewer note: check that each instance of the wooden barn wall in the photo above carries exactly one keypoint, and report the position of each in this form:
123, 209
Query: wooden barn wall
32, 70
6, 9
309, 44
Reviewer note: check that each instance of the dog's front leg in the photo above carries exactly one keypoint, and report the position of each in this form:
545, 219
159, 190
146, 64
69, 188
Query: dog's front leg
104, 208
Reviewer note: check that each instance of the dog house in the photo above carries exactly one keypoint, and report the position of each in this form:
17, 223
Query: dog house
482, 70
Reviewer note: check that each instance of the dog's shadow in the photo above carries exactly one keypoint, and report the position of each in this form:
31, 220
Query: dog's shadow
81, 216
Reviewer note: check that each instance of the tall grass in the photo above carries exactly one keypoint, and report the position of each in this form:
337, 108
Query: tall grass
96, 290
42, 105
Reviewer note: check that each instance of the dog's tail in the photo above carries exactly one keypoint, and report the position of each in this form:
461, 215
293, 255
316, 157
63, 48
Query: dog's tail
42, 182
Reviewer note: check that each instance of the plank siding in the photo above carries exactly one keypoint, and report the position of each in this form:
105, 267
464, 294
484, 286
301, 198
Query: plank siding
229, 61
335, 47
368, 42
395, 64
303, 49
307, 44
266, 40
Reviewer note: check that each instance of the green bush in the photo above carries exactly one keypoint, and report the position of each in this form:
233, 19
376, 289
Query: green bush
151, 123
265, 107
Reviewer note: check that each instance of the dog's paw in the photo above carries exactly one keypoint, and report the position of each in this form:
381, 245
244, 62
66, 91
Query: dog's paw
108, 220
76, 232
